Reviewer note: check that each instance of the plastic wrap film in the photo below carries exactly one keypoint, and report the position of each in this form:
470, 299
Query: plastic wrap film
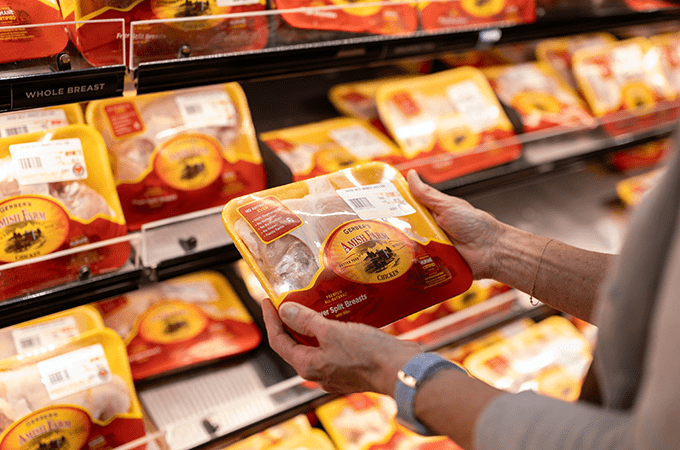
177, 152
179, 323
353, 245
448, 123
79, 394
57, 193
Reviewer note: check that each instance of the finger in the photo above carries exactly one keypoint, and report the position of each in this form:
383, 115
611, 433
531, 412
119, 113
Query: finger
427, 195
295, 354
302, 320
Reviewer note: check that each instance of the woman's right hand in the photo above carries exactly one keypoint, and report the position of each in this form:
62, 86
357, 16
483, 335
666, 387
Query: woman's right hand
475, 233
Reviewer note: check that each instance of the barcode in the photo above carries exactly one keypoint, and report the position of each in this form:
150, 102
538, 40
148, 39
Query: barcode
30, 163
360, 203
193, 109
58, 377
28, 343
22, 129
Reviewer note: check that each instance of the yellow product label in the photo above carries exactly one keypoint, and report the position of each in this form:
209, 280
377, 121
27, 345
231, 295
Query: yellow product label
368, 252
174, 321
483, 8
31, 226
189, 161
637, 95
313, 439
358, 99
59, 427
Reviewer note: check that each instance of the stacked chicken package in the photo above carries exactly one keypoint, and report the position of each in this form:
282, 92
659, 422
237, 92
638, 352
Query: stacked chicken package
177, 152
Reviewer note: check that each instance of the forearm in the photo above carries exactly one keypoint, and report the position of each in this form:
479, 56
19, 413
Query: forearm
450, 403
567, 278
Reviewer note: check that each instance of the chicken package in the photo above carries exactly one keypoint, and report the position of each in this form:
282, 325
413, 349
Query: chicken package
39, 119
288, 431
669, 46
632, 190
447, 124
51, 331
558, 52
357, 100
19, 43
474, 14
164, 34
649, 5
57, 193
640, 156
350, 16
323, 147
625, 86
550, 357
540, 97
366, 421
177, 152
353, 245
77, 396
180, 323
497, 56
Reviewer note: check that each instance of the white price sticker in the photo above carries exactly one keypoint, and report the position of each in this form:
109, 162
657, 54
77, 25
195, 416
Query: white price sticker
477, 113
53, 332
359, 142
376, 201
12, 124
203, 109
75, 371
49, 162
627, 62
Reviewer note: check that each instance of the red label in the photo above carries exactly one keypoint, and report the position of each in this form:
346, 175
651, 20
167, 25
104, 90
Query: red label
123, 119
269, 218
279, 144
355, 97
405, 103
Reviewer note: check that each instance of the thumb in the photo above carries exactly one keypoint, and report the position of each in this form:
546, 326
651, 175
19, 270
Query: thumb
425, 194
301, 319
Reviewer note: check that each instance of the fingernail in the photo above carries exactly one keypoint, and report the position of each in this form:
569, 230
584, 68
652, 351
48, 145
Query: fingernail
288, 311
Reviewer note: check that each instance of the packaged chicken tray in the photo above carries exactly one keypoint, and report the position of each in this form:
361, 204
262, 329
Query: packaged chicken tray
180, 323
78, 396
624, 85
472, 14
177, 152
49, 331
98, 33
366, 421
322, 147
57, 193
353, 245
447, 124
17, 42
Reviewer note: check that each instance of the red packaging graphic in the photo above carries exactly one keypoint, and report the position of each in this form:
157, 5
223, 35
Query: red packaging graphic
351, 16
21, 43
470, 14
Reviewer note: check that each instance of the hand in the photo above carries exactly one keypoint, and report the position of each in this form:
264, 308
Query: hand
351, 357
474, 232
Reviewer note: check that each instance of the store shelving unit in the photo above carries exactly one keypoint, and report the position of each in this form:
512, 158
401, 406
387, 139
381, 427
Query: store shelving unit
303, 71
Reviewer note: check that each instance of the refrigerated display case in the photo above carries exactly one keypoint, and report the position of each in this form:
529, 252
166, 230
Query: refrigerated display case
286, 78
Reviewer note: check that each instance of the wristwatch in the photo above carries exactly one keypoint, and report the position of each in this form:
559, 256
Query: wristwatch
409, 379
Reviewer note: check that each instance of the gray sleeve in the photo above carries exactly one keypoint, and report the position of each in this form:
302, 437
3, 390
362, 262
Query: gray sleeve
531, 421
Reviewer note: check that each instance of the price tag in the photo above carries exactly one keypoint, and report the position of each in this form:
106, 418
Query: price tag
53, 332
477, 113
627, 62
75, 371
13, 124
359, 142
49, 162
207, 109
376, 201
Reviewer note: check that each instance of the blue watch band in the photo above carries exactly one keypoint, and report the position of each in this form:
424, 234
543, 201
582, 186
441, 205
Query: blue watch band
410, 377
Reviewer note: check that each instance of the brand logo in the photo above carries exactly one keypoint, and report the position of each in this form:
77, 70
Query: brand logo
368, 251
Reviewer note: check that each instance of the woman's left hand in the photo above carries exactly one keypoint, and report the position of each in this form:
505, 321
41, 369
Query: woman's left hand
351, 357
